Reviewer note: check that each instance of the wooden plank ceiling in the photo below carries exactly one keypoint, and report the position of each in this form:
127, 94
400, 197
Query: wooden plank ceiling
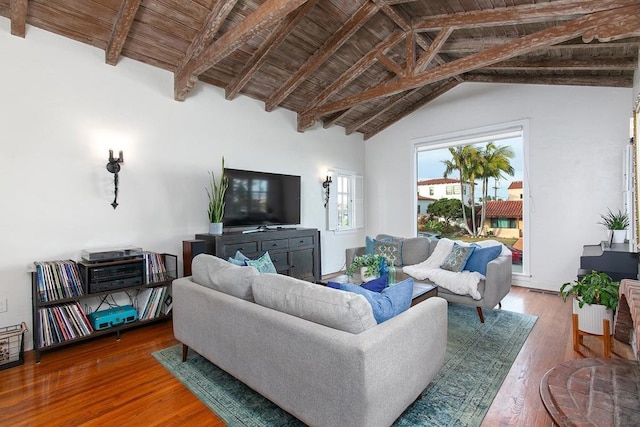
359, 64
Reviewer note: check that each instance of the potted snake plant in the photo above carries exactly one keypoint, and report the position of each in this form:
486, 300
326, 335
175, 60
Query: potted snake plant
216, 192
617, 223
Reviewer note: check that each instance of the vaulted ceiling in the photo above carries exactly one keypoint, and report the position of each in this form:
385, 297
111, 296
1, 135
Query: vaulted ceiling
359, 64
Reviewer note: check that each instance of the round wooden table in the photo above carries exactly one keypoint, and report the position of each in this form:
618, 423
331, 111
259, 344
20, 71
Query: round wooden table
601, 392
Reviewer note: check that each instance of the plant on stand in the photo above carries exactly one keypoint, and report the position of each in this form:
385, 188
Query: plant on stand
368, 266
216, 192
617, 223
595, 299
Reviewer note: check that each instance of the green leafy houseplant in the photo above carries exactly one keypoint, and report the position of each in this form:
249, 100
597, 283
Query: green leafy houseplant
371, 262
615, 221
593, 288
216, 193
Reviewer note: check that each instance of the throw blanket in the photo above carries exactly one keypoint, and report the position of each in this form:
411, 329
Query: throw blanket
462, 283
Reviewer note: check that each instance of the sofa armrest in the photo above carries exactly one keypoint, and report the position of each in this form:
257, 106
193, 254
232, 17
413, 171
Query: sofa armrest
351, 253
498, 280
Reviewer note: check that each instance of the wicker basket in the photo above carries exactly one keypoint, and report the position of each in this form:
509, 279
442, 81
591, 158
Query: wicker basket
12, 345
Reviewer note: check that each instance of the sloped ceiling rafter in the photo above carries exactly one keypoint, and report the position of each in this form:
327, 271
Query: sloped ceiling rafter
607, 25
359, 64
270, 12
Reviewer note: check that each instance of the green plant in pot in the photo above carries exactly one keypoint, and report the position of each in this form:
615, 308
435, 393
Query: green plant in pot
370, 263
618, 223
593, 288
595, 298
216, 192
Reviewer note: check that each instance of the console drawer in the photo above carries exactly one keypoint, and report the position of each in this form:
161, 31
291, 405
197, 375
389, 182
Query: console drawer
246, 248
280, 260
298, 242
269, 245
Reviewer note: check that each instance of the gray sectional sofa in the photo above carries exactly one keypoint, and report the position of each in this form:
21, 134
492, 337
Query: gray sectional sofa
314, 351
492, 289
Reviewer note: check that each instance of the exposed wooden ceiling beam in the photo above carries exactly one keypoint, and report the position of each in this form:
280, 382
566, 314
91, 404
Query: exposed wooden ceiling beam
467, 46
19, 17
353, 24
265, 16
572, 80
432, 51
208, 32
440, 90
120, 30
270, 44
356, 69
376, 112
512, 15
625, 20
595, 64
391, 65
422, 40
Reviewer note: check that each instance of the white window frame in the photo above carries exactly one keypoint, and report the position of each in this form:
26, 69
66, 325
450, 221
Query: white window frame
479, 135
354, 194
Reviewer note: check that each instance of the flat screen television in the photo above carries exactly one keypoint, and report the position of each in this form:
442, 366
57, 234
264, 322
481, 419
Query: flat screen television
261, 199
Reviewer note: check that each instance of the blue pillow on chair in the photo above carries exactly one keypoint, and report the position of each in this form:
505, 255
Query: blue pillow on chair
388, 303
480, 257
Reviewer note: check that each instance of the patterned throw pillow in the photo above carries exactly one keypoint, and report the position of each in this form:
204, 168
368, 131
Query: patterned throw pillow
263, 264
458, 257
392, 251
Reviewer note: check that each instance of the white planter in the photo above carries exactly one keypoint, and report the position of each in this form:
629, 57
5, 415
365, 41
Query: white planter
215, 228
590, 317
619, 236
364, 277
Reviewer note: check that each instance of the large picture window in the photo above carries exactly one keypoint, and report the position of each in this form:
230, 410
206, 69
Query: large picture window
471, 185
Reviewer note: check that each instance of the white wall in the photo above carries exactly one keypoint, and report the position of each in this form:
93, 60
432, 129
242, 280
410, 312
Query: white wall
576, 142
62, 108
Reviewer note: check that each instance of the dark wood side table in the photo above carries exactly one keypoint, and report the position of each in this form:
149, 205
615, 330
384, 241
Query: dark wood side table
593, 392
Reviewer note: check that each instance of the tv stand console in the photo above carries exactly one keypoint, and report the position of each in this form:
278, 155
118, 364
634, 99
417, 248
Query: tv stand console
293, 251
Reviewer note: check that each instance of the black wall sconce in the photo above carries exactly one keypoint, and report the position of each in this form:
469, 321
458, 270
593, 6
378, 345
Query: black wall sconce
114, 167
325, 185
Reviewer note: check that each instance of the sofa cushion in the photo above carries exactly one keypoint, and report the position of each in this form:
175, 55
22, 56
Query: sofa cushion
457, 258
262, 264
415, 250
218, 274
316, 303
370, 244
388, 303
480, 257
391, 251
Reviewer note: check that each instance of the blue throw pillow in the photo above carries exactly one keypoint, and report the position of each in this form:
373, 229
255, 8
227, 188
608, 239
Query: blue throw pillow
388, 303
481, 257
370, 244
239, 259
263, 264
457, 259
376, 285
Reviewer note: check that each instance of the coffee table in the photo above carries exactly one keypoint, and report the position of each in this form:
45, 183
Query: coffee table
593, 392
421, 291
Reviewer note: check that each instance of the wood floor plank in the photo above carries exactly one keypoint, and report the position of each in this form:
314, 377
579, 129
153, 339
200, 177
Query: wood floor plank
110, 382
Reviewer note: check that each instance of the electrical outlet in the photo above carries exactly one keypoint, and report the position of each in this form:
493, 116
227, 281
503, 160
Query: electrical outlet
3, 305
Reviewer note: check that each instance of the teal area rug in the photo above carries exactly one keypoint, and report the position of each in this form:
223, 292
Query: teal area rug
478, 359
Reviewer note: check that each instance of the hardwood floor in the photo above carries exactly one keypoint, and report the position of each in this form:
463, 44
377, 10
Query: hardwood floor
109, 382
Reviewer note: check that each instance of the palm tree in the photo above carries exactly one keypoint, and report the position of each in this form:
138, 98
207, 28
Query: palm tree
464, 160
494, 162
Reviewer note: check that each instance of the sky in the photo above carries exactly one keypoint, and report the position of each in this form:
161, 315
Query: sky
430, 165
